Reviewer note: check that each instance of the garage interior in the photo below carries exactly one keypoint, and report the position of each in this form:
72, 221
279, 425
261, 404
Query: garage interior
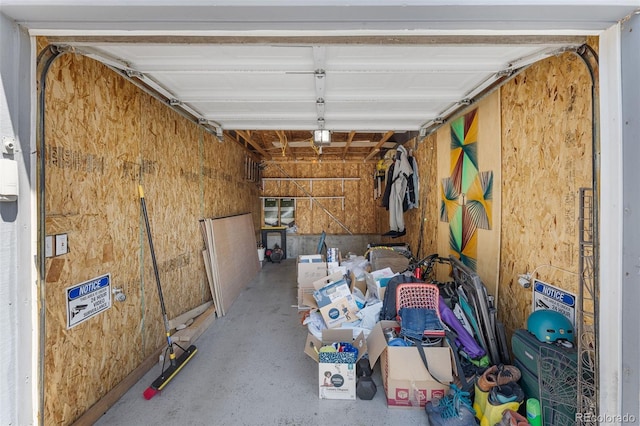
213, 122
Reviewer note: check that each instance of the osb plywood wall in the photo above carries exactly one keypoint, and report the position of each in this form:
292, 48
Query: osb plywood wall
350, 206
488, 157
422, 223
103, 138
546, 157
362, 212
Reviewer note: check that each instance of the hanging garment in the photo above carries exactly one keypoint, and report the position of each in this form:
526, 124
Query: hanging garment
402, 171
379, 178
413, 189
387, 187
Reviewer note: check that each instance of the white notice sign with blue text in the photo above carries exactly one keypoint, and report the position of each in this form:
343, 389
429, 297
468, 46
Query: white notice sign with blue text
546, 296
88, 299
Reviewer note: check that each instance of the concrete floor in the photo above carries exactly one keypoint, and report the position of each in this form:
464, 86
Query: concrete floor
250, 369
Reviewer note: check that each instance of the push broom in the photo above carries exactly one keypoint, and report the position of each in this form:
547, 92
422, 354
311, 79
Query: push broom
175, 365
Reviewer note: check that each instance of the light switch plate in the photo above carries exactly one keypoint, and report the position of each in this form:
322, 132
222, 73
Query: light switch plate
48, 246
61, 244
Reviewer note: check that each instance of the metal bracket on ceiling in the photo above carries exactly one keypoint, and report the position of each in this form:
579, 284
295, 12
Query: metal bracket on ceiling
320, 88
320, 109
523, 62
215, 125
504, 73
319, 55
429, 127
133, 73
422, 134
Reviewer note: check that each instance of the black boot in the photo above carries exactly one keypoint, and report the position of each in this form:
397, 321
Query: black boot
400, 234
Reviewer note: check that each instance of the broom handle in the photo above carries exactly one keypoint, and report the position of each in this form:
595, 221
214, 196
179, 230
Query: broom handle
172, 356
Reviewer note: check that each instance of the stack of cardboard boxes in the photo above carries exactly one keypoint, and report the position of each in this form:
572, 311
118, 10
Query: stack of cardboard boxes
310, 268
406, 380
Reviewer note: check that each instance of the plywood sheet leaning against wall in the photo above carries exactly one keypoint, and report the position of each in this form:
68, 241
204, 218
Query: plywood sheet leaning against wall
546, 156
336, 206
232, 256
103, 138
469, 176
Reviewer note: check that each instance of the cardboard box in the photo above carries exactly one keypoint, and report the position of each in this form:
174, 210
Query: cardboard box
337, 377
336, 380
377, 282
407, 383
330, 293
341, 311
333, 267
334, 300
310, 268
359, 284
305, 293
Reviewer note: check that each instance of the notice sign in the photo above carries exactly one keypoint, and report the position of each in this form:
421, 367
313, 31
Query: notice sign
546, 296
88, 299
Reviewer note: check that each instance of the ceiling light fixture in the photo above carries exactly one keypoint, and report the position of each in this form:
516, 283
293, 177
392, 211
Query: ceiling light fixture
321, 137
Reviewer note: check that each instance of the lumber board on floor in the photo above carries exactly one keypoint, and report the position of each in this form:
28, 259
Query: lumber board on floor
182, 319
200, 324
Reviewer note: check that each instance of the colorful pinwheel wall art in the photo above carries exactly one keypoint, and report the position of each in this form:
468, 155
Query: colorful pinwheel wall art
467, 193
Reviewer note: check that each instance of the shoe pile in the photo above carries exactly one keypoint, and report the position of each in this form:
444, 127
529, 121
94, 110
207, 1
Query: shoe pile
496, 391
454, 409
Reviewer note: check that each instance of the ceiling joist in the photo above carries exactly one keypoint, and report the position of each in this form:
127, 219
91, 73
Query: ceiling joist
246, 135
376, 150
